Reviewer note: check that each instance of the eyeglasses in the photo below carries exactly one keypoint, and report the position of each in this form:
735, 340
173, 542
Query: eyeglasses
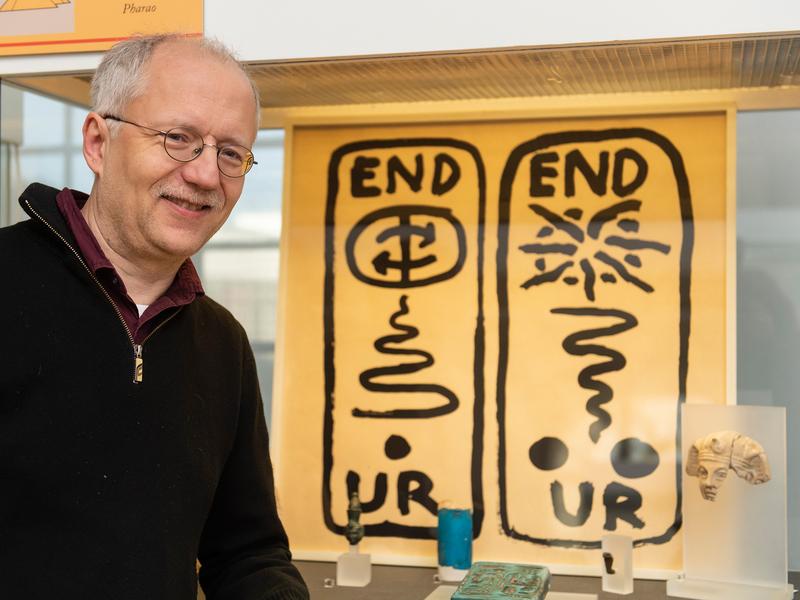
185, 144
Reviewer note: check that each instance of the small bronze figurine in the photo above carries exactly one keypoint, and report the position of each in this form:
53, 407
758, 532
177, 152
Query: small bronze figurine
355, 530
608, 559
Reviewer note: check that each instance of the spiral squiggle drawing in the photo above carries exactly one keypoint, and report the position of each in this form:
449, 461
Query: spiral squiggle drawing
369, 376
575, 344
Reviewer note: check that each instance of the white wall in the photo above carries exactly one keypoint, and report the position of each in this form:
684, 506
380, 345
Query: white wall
294, 29
319, 28
45, 64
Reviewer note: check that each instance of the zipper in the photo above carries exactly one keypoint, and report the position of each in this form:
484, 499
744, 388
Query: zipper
138, 361
138, 364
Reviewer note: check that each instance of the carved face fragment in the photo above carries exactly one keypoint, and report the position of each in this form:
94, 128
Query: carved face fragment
711, 457
711, 475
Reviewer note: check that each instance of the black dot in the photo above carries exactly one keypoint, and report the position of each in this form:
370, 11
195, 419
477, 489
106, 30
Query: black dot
570, 280
608, 278
575, 213
540, 264
396, 447
548, 453
634, 458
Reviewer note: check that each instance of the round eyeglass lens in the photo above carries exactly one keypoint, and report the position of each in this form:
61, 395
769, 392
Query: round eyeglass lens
234, 161
183, 144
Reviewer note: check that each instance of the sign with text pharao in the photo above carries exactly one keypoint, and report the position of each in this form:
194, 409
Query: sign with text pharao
55, 26
504, 316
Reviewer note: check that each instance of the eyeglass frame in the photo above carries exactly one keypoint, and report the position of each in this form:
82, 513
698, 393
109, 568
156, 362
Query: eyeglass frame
164, 134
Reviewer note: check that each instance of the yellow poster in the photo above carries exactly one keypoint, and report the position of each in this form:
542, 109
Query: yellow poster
51, 26
505, 316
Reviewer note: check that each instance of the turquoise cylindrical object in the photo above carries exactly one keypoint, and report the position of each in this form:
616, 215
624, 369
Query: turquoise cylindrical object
454, 535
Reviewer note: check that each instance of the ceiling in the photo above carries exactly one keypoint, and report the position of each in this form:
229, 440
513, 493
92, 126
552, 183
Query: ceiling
767, 63
683, 65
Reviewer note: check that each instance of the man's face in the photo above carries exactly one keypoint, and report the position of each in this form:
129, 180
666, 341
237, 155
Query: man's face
711, 475
150, 206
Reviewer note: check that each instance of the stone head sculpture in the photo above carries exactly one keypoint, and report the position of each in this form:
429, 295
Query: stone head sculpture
711, 457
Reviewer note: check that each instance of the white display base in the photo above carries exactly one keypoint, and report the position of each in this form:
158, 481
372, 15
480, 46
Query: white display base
452, 574
443, 592
353, 569
570, 596
702, 589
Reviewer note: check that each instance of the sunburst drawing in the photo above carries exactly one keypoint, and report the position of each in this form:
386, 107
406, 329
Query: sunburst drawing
589, 249
10, 5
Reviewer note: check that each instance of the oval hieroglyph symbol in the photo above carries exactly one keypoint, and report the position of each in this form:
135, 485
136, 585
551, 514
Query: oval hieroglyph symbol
406, 246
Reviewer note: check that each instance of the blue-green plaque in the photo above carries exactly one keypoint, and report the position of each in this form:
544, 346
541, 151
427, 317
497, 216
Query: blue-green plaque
500, 581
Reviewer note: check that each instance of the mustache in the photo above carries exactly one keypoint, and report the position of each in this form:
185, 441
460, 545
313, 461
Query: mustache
210, 198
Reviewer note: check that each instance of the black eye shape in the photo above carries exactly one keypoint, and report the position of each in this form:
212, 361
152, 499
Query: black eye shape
182, 137
234, 154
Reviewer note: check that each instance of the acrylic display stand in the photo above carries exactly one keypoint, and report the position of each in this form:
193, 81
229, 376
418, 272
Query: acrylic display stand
720, 590
735, 548
443, 592
618, 579
353, 569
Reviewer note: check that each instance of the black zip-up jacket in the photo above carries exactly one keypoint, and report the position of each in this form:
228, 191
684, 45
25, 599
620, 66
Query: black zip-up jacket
111, 489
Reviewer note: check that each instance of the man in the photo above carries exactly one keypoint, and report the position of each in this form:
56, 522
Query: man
132, 436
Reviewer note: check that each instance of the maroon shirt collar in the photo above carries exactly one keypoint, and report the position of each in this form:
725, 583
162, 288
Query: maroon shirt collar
183, 290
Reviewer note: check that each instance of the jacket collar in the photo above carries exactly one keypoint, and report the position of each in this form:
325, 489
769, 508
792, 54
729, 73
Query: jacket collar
39, 202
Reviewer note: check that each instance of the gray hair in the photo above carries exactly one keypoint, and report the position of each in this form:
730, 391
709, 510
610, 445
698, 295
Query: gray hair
122, 74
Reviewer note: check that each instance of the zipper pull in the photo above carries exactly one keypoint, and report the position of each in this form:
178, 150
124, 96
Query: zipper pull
138, 363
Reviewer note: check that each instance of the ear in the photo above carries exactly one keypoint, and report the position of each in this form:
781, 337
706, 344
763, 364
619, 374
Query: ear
95, 142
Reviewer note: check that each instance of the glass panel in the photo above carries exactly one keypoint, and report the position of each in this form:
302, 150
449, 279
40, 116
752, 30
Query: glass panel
44, 166
10, 140
245, 282
243, 274
44, 144
75, 118
44, 123
768, 280
5, 200
80, 177
263, 186
265, 362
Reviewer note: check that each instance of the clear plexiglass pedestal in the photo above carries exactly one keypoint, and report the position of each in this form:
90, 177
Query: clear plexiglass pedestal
719, 590
353, 569
735, 547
